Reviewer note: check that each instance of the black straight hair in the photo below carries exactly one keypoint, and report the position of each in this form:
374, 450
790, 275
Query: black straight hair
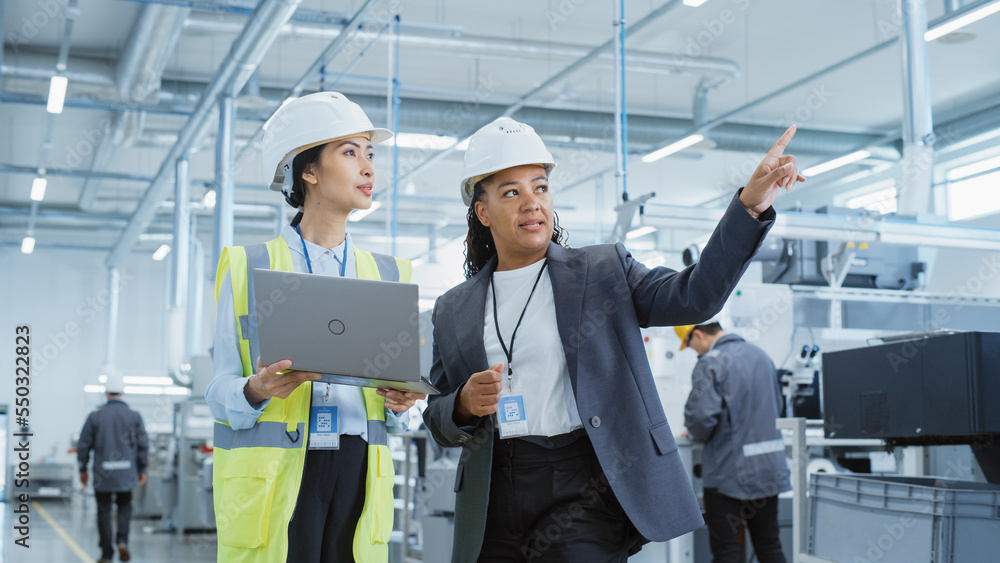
297, 198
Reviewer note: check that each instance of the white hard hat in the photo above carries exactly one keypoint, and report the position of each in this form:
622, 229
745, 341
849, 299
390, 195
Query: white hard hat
503, 144
308, 121
116, 381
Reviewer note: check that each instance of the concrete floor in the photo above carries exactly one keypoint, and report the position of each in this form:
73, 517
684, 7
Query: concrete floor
71, 537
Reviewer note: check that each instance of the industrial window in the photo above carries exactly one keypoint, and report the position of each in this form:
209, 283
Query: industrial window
882, 200
974, 189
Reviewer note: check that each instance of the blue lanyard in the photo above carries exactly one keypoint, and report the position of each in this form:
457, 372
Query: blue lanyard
343, 263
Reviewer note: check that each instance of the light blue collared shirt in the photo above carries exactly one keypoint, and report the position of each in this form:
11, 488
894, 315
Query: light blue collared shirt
225, 392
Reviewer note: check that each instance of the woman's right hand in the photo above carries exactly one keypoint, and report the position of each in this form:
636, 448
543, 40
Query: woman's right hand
480, 395
267, 382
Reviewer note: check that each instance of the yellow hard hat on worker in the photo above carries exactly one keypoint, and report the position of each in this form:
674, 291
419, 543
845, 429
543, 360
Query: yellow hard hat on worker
684, 331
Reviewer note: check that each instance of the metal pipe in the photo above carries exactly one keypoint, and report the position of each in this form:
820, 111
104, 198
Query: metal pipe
71, 12
700, 104
325, 57
719, 120
167, 36
621, 152
180, 254
918, 126
224, 189
196, 296
57, 172
114, 283
424, 115
137, 43
395, 131
770, 96
102, 157
244, 55
301, 15
495, 48
523, 100
3, 20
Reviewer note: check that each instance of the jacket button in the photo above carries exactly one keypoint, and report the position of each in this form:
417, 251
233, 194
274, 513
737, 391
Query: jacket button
595, 421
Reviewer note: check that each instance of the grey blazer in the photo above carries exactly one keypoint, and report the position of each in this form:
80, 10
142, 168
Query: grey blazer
602, 297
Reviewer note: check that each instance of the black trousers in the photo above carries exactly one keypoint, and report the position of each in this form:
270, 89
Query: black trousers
549, 505
124, 502
726, 518
331, 497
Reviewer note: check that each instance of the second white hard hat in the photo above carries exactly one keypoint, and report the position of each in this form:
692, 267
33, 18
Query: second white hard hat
306, 122
502, 144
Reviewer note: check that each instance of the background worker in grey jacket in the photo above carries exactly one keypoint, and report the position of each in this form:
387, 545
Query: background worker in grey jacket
732, 408
118, 438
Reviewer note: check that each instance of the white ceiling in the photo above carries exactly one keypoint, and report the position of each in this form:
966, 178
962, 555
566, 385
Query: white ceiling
773, 42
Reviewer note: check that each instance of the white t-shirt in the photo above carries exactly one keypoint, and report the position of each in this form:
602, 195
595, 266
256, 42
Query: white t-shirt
541, 376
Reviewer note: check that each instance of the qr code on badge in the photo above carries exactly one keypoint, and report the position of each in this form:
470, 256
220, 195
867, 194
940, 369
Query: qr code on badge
511, 411
324, 422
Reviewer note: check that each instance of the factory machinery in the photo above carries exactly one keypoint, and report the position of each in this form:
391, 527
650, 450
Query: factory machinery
178, 490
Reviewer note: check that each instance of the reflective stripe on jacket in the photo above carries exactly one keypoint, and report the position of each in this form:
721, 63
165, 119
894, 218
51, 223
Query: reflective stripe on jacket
257, 471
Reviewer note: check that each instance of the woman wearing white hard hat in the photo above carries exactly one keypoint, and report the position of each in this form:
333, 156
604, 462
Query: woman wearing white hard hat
543, 373
302, 471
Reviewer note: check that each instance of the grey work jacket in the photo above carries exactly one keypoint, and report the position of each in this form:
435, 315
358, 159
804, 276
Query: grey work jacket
732, 407
118, 438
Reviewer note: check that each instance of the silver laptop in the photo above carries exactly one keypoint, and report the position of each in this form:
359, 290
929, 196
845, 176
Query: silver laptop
352, 331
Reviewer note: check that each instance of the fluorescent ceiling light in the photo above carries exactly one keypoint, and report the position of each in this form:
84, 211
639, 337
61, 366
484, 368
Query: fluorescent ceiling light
38, 189
694, 3
144, 380
673, 147
143, 390
161, 252
960, 172
836, 163
421, 141
57, 94
359, 214
640, 232
28, 245
959, 23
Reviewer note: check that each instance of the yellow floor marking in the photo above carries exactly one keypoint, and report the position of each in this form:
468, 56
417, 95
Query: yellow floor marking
62, 533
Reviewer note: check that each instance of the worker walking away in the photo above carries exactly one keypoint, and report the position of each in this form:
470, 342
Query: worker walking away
117, 437
732, 408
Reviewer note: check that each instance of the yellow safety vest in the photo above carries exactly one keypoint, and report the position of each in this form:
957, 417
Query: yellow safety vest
257, 471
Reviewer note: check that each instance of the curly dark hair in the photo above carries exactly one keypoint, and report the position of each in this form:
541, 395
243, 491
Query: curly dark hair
479, 246
309, 156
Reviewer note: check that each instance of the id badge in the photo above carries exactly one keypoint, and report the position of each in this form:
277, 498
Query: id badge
323, 433
511, 418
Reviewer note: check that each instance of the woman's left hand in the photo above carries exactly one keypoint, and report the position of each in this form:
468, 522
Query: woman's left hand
776, 171
399, 401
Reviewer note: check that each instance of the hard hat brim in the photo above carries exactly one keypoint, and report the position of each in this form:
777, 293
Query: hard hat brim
469, 184
376, 135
